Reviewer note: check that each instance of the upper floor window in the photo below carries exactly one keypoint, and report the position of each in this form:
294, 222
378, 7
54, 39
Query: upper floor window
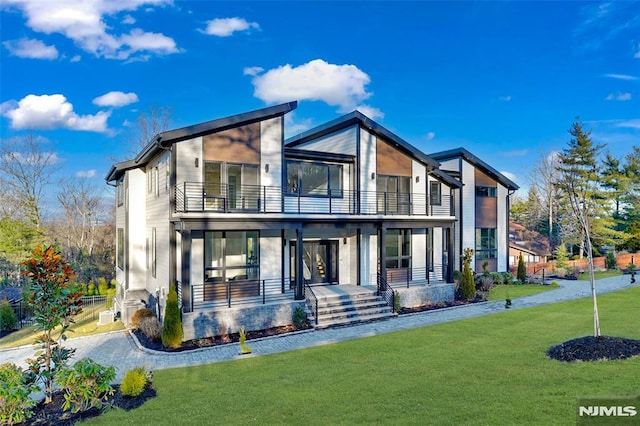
394, 194
486, 243
314, 179
486, 191
120, 249
120, 193
435, 193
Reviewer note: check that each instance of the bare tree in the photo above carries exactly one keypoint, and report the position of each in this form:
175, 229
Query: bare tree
543, 179
26, 168
149, 124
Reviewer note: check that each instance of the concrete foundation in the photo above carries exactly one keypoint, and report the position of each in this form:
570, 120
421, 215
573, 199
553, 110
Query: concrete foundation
424, 295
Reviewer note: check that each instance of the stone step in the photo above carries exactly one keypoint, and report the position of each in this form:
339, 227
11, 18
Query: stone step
353, 320
344, 307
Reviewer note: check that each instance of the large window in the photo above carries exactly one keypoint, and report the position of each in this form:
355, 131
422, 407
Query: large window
314, 179
394, 194
231, 256
486, 191
120, 258
231, 186
486, 243
398, 248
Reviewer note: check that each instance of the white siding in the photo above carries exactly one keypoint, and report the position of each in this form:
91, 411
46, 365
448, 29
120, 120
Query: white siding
437, 252
468, 207
419, 182
451, 165
341, 142
501, 231
367, 166
136, 232
270, 255
186, 154
419, 253
157, 216
197, 261
271, 154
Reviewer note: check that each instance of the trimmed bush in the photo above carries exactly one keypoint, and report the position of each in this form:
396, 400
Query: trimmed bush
15, 388
85, 385
8, 318
134, 382
172, 332
299, 318
522, 270
610, 261
468, 285
507, 277
139, 314
151, 328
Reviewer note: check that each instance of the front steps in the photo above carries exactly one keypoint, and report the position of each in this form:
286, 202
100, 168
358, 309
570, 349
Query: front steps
345, 305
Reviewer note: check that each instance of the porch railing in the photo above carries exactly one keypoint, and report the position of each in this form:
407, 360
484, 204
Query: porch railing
415, 277
218, 198
238, 292
311, 300
386, 292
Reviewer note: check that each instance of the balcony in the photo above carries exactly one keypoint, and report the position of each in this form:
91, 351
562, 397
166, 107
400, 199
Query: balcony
197, 197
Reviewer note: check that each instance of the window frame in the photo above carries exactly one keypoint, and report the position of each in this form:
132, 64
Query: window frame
435, 197
403, 244
295, 183
120, 242
252, 262
486, 245
486, 191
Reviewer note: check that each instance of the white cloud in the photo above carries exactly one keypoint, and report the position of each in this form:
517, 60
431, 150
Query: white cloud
621, 77
129, 20
619, 97
634, 123
343, 86
431, 135
86, 173
83, 22
225, 27
116, 99
29, 48
76, 58
511, 176
252, 71
371, 112
505, 98
637, 54
50, 112
293, 125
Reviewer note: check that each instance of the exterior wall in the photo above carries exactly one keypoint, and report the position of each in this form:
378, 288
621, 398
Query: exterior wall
437, 253
271, 154
468, 202
367, 167
186, 154
502, 229
136, 232
426, 295
341, 142
157, 215
420, 182
237, 145
214, 323
270, 255
390, 161
419, 253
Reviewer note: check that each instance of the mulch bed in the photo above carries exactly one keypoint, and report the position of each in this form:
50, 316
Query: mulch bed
591, 348
52, 414
213, 341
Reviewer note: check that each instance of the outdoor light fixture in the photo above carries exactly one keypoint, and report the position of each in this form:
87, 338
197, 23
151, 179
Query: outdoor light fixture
344, 240
196, 162
417, 179
373, 175
266, 168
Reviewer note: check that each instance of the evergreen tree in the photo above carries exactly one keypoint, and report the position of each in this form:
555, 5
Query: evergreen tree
522, 270
172, 332
468, 283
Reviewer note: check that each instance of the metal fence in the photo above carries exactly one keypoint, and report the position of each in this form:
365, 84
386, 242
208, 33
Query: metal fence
91, 307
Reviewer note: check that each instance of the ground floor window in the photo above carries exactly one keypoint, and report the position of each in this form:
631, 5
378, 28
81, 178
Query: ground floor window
231, 256
398, 248
486, 243
120, 258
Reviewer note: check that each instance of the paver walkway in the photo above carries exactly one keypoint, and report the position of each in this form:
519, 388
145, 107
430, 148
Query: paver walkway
121, 351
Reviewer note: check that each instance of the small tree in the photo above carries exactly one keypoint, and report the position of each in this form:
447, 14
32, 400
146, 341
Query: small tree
562, 257
468, 283
522, 270
610, 261
55, 302
172, 332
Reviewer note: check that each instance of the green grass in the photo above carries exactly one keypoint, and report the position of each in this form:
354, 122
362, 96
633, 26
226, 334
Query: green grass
490, 370
500, 292
599, 274
86, 327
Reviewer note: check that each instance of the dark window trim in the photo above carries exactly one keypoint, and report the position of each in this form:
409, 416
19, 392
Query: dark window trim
224, 266
339, 193
491, 191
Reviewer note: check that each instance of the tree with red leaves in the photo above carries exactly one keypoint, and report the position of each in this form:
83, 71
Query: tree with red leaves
55, 302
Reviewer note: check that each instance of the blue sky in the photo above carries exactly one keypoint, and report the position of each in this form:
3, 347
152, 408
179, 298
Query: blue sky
503, 79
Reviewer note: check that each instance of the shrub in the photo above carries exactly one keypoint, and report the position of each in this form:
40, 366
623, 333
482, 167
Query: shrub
151, 328
139, 314
172, 326
562, 256
134, 382
610, 261
498, 278
92, 290
103, 287
8, 318
85, 385
396, 302
468, 284
507, 278
299, 318
522, 270
15, 388
243, 338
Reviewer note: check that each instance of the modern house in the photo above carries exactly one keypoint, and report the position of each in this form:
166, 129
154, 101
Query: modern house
251, 226
482, 208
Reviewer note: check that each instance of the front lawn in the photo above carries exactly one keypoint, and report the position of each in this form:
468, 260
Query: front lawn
513, 291
600, 274
488, 370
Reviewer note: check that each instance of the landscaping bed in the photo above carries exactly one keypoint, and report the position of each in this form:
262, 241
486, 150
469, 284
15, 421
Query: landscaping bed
591, 348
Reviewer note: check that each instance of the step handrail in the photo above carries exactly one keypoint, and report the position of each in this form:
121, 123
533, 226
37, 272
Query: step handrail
386, 292
311, 299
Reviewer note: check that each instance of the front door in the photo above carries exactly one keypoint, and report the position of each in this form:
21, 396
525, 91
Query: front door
319, 261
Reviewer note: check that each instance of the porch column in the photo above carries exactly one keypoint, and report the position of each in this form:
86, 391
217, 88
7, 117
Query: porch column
383, 254
451, 254
185, 252
299, 291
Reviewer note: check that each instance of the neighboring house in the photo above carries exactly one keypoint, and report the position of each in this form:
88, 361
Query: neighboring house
533, 246
482, 208
250, 226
